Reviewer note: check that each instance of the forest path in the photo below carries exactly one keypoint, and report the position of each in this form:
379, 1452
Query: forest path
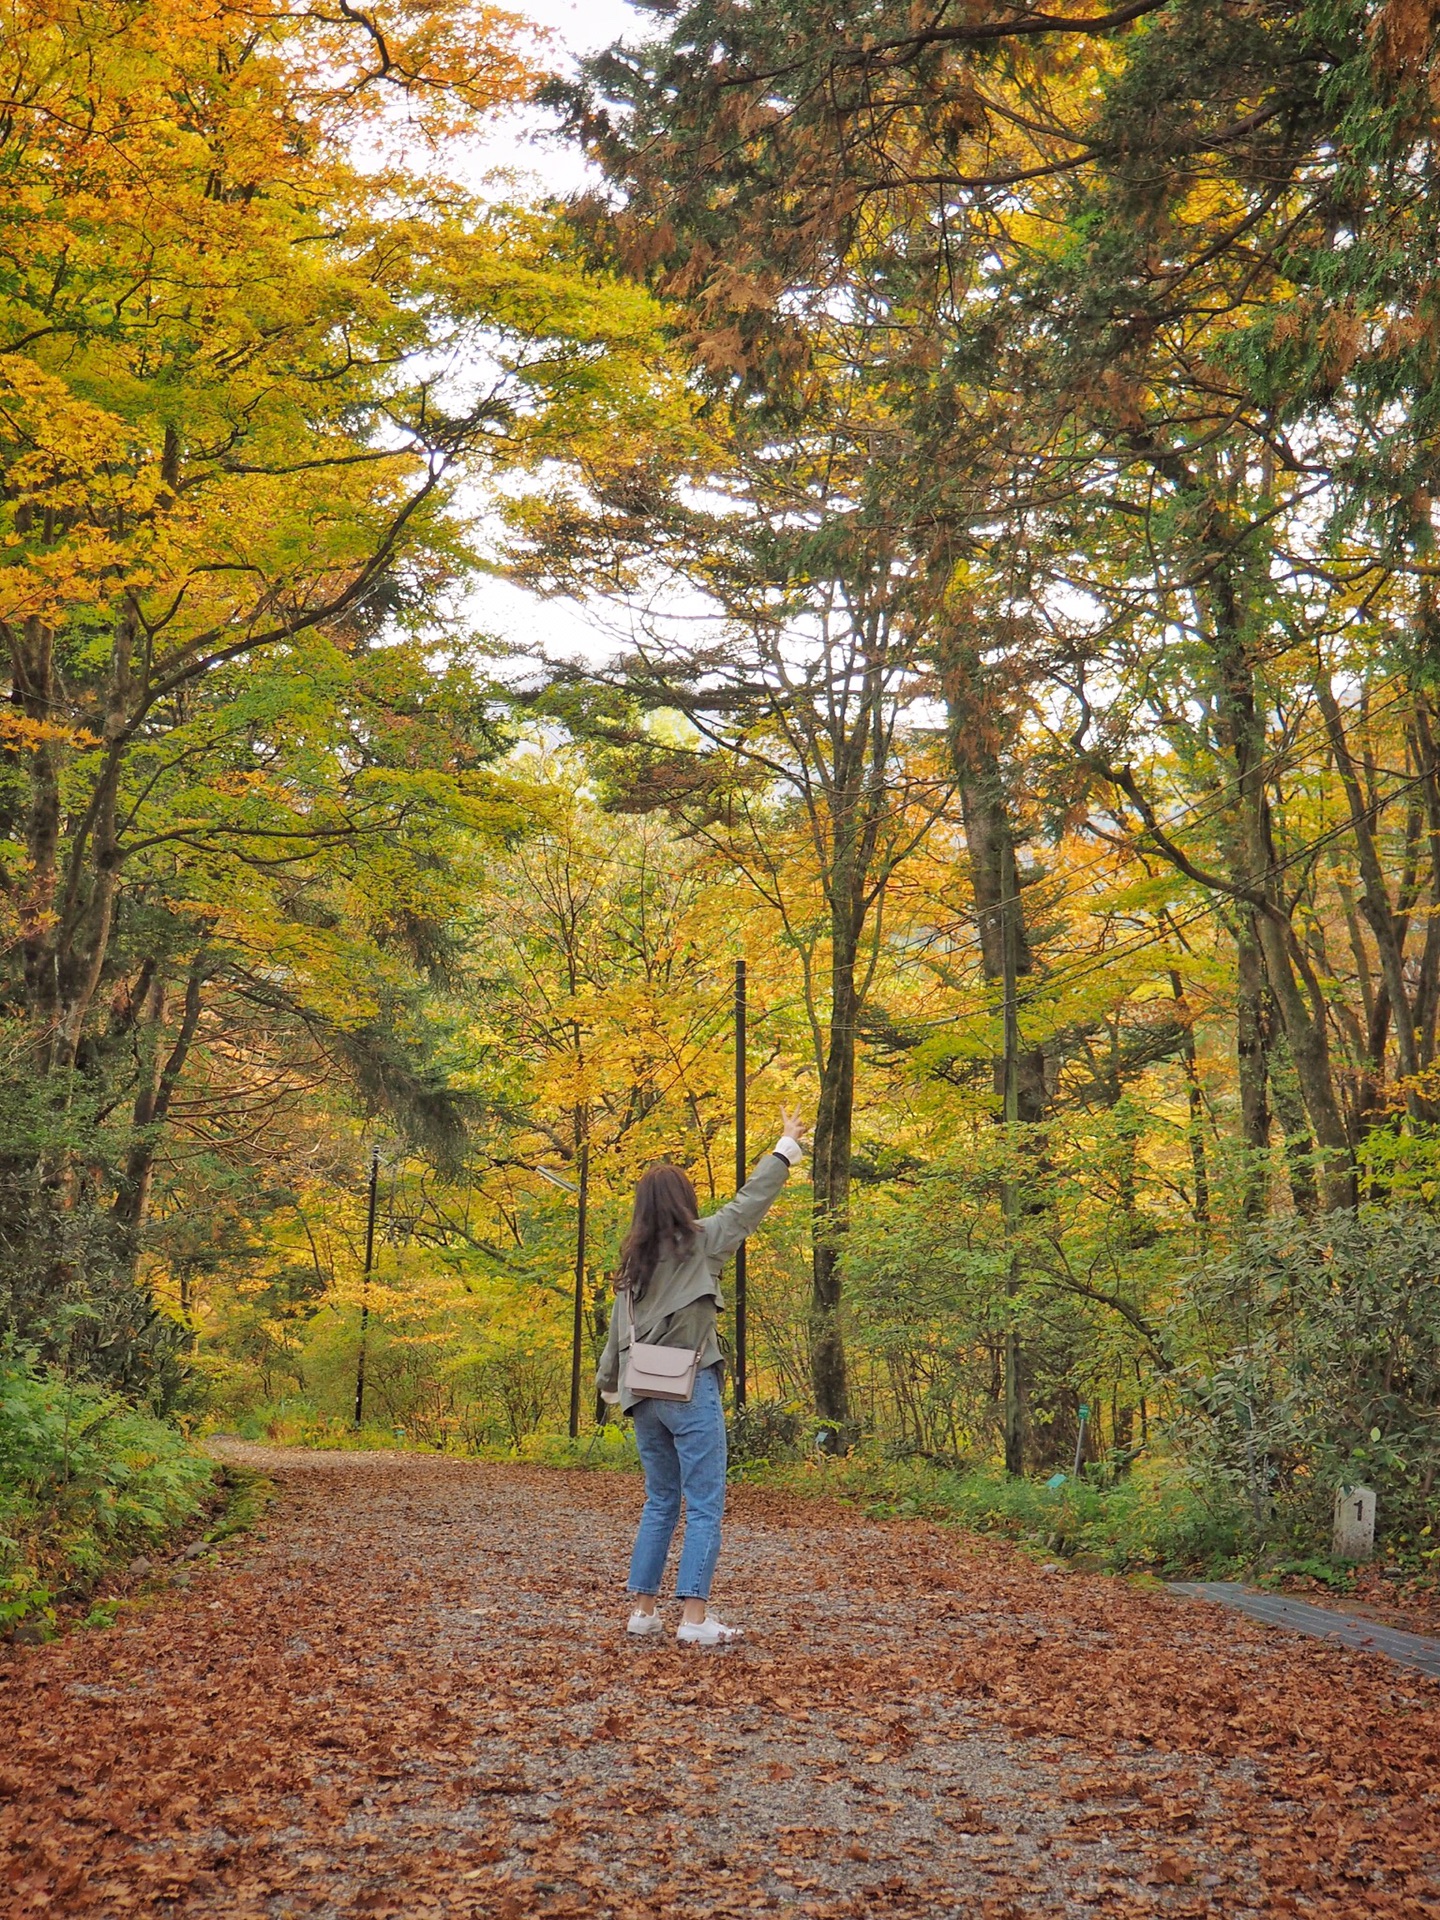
410, 1696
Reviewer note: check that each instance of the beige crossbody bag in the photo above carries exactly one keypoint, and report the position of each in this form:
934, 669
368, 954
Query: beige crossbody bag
658, 1373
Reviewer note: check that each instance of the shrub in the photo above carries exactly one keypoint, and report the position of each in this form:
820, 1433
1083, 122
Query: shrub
611, 1446
1319, 1367
1163, 1518
86, 1480
768, 1430
68, 1292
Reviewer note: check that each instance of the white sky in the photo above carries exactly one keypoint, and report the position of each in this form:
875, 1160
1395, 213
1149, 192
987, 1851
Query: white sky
577, 29
528, 148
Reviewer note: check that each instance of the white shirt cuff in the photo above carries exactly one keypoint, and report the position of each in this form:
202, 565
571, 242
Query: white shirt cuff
789, 1150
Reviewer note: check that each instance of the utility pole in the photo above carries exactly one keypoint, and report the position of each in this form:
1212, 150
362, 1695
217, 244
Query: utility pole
741, 1170
365, 1294
578, 1331
1009, 1192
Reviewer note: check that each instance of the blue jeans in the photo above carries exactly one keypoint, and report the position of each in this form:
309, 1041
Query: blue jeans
682, 1449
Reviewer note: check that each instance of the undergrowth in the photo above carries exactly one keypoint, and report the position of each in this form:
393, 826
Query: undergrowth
1158, 1519
86, 1481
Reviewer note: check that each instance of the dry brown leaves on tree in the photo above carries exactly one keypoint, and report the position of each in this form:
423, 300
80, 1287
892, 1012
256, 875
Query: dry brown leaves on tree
412, 1698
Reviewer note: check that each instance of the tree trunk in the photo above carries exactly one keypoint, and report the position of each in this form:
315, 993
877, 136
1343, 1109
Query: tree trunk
1299, 1147
995, 881
34, 693
1375, 902
834, 1123
152, 1105
1302, 1017
1427, 991
1196, 1101
87, 922
1253, 1068
1294, 988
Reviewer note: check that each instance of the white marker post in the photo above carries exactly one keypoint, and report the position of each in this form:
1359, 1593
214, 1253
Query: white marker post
1354, 1523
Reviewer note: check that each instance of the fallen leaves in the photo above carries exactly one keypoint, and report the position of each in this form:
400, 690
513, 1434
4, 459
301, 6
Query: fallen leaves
378, 1722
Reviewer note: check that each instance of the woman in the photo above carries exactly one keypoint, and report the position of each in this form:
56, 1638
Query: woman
668, 1294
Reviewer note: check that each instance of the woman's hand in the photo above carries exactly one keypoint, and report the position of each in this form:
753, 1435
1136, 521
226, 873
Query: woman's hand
793, 1126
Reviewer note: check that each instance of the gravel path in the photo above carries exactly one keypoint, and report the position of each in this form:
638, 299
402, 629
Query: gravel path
408, 1695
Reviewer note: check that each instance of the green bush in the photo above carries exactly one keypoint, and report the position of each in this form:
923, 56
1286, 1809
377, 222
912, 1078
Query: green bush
68, 1292
86, 1481
1318, 1366
768, 1430
611, 1446
1161, 1519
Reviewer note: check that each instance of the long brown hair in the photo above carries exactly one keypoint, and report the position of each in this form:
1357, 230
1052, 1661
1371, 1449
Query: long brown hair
666, 1219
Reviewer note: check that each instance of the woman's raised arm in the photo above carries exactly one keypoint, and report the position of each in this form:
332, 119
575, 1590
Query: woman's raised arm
731, 1225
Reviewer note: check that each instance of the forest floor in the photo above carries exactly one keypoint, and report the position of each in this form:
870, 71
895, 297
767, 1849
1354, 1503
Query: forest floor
410, 1695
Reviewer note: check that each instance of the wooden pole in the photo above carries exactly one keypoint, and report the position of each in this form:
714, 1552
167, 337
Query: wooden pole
1009, 1193
742, 1168
578, 1332
365, 1294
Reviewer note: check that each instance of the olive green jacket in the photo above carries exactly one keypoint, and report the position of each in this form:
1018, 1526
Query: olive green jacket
679, 1307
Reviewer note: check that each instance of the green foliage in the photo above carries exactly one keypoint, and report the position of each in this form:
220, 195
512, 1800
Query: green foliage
608, 1448
66, 1292
930, 1274
763, 1431
1313, 1361
1339, 1578
86, 1480
1164, 1518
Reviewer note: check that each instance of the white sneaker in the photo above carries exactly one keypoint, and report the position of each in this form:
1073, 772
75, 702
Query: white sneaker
644, 1624
708, 1632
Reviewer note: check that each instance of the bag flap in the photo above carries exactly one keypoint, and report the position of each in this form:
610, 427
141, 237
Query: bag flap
661, 1363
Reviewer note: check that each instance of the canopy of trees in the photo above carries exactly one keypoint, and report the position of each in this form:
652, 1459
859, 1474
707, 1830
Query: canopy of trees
1010, 441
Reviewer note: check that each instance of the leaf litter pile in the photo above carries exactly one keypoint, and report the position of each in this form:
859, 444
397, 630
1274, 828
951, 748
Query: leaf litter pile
412, 1696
